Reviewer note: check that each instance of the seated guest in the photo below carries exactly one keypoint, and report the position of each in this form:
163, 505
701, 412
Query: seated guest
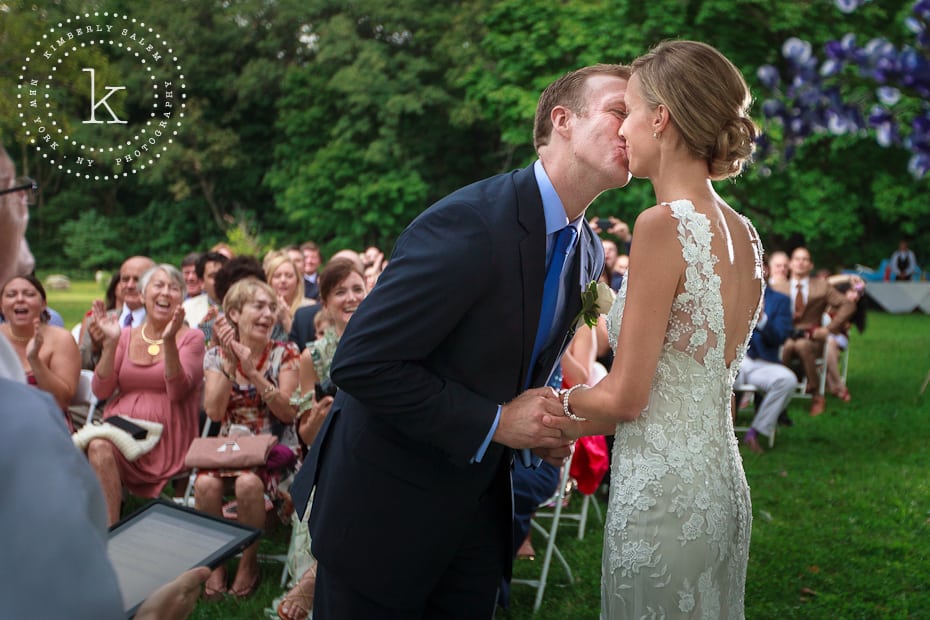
202, 308
778, 268
130, 314
762, 367
313, 260
249, 381
157, 366
48, 354
232, 271
193, 284
903, 263
284, 276
113, 298
854, 288
810, 298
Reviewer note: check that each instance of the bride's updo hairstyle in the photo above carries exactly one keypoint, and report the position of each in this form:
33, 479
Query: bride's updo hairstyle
708, 101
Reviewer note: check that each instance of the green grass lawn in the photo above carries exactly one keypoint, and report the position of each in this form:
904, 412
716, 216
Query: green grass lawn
841, 504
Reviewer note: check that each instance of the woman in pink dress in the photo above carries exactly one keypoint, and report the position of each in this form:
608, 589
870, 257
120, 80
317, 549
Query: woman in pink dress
152, 372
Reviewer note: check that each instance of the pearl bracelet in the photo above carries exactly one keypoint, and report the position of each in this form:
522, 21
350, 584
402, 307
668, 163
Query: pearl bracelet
565, 409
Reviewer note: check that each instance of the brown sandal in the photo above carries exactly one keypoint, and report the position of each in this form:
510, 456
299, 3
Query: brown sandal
299, 601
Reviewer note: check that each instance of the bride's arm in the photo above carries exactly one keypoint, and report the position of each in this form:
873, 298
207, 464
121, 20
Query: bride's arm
656, 267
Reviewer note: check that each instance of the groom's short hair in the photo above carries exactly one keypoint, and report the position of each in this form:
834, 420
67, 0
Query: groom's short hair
568, 91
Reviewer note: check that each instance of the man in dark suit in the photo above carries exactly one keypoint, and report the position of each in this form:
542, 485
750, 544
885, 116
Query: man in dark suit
810, 298
762, 367
412, 512
302, 330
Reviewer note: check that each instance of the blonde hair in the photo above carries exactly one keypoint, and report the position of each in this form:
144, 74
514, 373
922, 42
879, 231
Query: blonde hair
707, 99
243, 291
271, 264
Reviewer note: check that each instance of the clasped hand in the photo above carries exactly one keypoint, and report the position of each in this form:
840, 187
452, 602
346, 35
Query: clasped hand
531, 421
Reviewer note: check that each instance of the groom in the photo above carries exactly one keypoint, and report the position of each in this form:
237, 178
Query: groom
412, 512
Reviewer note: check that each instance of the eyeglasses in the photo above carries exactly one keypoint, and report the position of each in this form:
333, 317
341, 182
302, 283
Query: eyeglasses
24, 184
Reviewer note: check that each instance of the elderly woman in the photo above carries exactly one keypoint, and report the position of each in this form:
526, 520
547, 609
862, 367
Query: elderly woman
342, 289
154, 372
249, 380
285, 278
48, 354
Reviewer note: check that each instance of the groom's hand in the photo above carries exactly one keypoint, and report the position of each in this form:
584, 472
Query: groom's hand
521, 424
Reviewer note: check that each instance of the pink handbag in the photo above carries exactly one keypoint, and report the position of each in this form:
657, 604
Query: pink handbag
229, 452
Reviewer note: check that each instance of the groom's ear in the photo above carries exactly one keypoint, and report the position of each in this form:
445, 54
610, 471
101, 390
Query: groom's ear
561, 118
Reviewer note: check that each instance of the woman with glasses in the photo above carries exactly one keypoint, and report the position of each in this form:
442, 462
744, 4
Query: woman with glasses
16, 194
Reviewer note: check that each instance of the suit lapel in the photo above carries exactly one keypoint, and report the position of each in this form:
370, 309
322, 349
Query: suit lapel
532, 260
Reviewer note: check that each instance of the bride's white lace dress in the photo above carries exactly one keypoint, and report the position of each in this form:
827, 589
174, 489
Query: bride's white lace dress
676, 542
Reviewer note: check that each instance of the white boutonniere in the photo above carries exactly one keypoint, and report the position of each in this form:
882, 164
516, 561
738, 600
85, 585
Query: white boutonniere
596, 299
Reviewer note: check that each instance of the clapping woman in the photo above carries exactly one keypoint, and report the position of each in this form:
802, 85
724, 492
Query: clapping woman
288, 284
249, 380
49, 356
155, 371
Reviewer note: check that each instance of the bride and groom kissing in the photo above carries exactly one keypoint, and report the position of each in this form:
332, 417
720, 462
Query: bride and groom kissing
439, 372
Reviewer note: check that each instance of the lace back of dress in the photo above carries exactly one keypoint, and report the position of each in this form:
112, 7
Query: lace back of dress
696, 322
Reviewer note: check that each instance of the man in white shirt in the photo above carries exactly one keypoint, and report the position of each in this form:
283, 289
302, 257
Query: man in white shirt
197, 308
131, 314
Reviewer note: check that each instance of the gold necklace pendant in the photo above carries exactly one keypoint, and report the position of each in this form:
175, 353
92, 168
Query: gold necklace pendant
154, 347
18, 338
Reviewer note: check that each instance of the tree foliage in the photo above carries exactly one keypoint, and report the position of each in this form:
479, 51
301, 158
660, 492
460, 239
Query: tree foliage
340, 121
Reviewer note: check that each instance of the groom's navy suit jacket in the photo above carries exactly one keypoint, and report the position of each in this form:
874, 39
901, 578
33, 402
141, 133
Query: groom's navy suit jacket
443, 339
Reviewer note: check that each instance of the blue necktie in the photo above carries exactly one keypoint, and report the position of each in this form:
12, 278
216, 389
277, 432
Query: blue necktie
562, 248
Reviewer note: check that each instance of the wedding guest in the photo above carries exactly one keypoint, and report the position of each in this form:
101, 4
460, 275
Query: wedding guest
61, 531
903, 262
249, 381
284, 276
203, 308
16, 194
762, 367
778, 268
313, 259
130, 314
48, 354
810, 298
232, 271
853, 287
157, 368
224, 249
193, 284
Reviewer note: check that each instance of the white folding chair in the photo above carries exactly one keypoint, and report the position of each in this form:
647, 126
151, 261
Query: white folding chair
738, 391
549, 535
84, 404
582, 515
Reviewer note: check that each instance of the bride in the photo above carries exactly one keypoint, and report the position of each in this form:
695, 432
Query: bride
677, 535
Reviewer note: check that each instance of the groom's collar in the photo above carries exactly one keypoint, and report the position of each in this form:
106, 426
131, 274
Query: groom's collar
553, 208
